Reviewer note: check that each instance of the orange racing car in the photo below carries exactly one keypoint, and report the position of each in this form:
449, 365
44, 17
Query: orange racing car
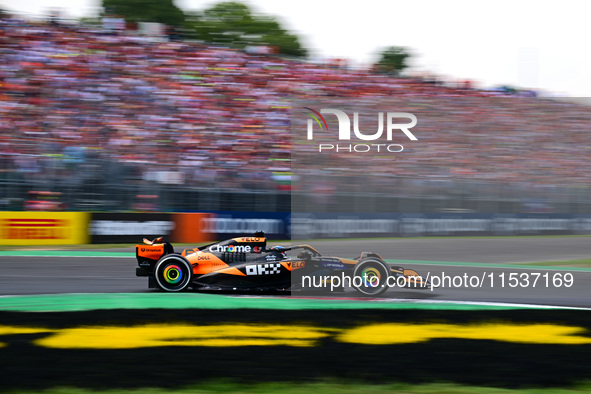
246, 264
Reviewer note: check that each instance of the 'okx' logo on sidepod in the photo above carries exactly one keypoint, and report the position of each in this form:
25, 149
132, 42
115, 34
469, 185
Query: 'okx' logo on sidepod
392, 125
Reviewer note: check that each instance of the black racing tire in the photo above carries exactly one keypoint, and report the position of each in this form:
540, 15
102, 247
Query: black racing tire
173, 273
370, 277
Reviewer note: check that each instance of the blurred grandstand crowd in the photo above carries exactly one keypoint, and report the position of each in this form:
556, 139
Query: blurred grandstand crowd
82, 105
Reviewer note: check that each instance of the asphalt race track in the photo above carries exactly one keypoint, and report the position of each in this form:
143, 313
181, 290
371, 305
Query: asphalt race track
440, 257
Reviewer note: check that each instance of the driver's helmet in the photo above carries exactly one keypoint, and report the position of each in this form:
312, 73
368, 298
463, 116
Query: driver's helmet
279, 249
305, 255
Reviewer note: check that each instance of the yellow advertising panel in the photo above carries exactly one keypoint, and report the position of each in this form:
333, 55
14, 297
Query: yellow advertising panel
44, 228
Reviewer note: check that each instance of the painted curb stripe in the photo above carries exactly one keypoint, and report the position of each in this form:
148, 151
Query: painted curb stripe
102, 301
295, 335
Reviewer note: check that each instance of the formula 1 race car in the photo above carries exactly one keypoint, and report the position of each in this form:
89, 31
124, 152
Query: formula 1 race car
245, 264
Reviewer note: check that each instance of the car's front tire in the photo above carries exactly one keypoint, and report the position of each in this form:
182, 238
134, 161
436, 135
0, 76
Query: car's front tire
173, 273
370, 277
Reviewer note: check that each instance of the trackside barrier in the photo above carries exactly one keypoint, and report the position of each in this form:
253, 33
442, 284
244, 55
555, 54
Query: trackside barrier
64, 228
188, 227
132, 227
229, 224
44, 228
129, 227
358, 225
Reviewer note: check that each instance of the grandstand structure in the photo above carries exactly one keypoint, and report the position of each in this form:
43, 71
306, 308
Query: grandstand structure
114, 122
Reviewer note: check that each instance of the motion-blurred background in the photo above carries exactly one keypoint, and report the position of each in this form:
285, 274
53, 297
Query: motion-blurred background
144, 106
125, 119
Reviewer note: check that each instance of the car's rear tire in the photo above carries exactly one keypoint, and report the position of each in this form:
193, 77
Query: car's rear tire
173, 273
370, 277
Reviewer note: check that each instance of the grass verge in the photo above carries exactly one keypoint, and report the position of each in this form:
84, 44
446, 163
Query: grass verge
318, 387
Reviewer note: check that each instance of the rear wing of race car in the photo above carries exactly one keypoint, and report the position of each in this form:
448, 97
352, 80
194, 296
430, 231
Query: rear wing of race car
148, 253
